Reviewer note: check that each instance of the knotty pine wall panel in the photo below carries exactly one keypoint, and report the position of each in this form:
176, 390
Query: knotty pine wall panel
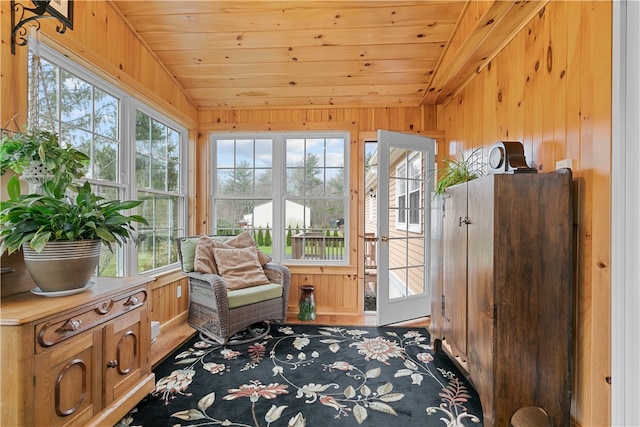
335, 294
166, 307
551, 89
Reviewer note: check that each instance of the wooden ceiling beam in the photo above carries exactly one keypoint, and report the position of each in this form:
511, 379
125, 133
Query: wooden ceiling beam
484, 28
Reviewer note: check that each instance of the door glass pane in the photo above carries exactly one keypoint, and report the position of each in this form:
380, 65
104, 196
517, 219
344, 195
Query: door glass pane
406, 237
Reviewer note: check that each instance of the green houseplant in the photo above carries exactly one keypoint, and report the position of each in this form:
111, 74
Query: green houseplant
39, 154
459, 171
62, 218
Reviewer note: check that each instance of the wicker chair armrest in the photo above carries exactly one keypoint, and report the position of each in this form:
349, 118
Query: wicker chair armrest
212, 283
278, 273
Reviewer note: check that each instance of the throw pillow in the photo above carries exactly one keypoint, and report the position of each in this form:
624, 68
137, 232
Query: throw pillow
240, 268
188, 249
204, 261
244, 240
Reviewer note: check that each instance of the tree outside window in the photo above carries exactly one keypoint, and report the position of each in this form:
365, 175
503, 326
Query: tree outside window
291, 189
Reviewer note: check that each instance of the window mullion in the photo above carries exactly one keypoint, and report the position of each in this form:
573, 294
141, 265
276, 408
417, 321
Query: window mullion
279, 190
127, 159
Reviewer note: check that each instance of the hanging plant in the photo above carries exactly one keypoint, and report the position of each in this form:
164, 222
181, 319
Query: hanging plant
42, 160
459, 171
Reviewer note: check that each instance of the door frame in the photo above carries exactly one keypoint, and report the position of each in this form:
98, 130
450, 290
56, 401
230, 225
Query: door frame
625, 204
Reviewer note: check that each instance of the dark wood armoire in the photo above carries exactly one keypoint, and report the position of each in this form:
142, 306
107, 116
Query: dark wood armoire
502, 290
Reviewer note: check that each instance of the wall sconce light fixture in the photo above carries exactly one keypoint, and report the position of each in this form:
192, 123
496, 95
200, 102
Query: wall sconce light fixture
61, 11
372, 193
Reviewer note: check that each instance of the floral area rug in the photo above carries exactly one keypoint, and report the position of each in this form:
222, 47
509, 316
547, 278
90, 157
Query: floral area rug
301, 375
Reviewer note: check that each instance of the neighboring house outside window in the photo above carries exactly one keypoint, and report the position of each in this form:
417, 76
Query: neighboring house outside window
135, 153
409, 194
288, 189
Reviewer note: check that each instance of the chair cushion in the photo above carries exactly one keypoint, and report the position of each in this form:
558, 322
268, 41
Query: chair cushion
204, 261
246, 296
239, 267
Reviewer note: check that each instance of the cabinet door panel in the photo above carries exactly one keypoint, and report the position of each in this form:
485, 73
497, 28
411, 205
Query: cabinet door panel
481, 322
454, 282
67, 382
126, 353
437, 306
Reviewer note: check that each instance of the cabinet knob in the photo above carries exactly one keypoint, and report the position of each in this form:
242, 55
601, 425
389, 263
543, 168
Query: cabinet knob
112, 364
105, 307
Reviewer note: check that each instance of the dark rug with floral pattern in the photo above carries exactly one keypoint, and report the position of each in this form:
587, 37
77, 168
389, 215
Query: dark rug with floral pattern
311, 375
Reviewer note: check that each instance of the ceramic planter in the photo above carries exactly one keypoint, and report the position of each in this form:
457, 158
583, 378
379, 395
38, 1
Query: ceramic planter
63, 265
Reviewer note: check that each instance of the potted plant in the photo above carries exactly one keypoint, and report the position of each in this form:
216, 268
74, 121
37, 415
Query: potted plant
63, 222
459, 171
39, 157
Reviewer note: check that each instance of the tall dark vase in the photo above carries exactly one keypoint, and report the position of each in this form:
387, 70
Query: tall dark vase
307, 303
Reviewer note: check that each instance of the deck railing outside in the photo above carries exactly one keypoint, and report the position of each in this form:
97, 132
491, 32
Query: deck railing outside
316, 245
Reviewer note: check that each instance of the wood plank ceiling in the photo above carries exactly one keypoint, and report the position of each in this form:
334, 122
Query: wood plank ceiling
261, 54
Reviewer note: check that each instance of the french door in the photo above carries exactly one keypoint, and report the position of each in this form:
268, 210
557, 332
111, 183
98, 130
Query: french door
405, 181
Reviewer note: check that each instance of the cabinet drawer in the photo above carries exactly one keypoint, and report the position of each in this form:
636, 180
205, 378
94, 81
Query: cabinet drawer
74, 322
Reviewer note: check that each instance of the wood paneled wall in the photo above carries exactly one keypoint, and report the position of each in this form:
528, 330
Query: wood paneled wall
123, 60
551, 88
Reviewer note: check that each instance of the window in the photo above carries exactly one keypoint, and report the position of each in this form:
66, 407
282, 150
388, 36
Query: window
158, 181
93, 116
409, 193
288, 190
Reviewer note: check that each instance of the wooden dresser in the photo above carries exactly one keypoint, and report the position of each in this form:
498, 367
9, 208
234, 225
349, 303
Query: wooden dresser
502, 302
76, 360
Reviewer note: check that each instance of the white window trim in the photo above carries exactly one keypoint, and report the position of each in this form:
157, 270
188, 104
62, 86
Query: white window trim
183, 192
625, 233
279, 182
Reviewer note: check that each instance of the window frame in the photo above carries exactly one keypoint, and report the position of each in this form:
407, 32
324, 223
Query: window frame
279, 195
182, 193
125, 182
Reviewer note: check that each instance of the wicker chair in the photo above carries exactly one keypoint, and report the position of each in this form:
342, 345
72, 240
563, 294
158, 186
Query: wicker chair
212, 314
